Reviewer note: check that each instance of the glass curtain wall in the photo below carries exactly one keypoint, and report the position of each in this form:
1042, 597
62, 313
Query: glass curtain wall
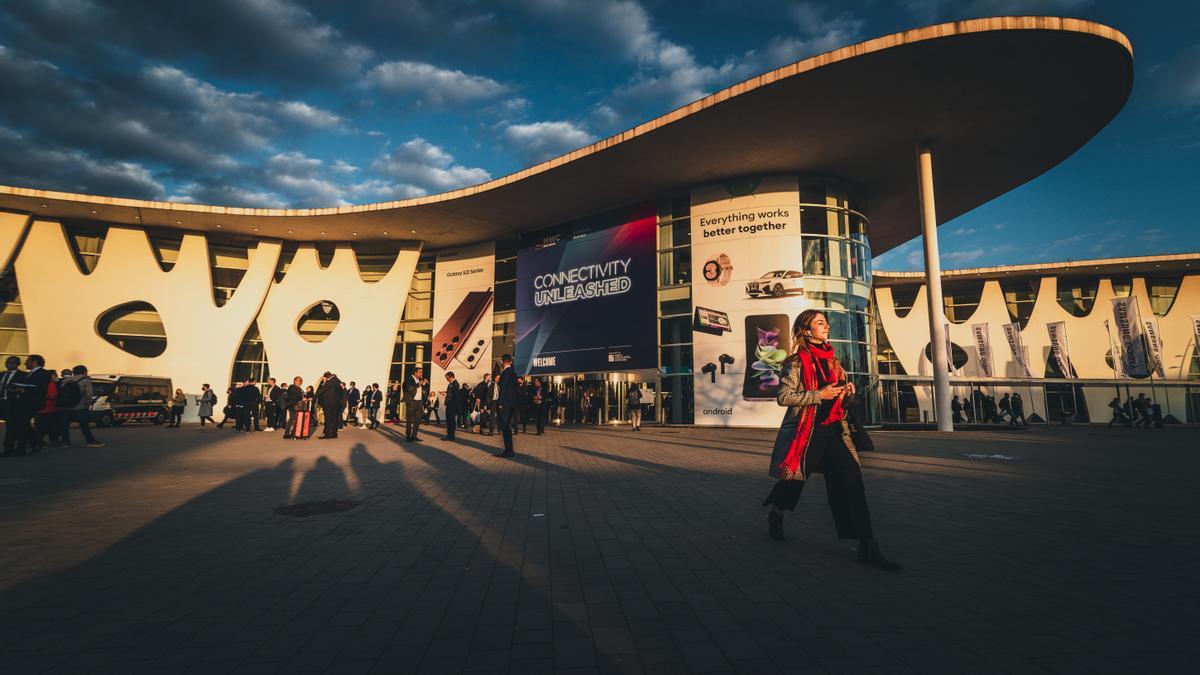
837, 276
675, 310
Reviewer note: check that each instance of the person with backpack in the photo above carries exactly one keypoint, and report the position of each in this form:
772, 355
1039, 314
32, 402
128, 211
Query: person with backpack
206, 404
75, 398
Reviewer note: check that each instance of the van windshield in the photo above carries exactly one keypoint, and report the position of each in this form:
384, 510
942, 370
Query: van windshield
101, 388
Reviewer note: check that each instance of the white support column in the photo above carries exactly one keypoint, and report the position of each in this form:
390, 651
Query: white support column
933, 291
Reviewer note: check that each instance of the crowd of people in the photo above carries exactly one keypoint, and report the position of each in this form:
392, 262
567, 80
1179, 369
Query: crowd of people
1134, 412
39, 404
501, 402
1009, 410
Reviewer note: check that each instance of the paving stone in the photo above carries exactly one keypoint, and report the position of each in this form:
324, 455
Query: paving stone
162, 553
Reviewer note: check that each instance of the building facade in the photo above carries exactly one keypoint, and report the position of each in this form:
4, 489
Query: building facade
673, 256
1063, 316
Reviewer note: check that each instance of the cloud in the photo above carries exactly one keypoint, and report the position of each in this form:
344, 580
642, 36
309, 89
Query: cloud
962, 257
818, 33
962, 231
424, 167
1177, 82
277, 39
667, 73
539, 141
29, 164
431, 84
939, 10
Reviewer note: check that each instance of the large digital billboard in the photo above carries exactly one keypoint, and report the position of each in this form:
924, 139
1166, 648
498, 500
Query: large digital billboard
587, 304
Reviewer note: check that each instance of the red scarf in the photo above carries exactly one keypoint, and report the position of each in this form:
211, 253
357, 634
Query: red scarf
812, 356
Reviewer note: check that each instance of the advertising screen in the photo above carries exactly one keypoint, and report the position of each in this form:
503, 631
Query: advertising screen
462, 314
588, 304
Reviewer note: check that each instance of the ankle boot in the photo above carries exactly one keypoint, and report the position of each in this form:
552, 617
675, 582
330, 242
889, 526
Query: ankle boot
775, 524
869, 554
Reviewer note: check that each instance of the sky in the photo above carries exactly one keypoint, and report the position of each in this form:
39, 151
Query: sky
307, 103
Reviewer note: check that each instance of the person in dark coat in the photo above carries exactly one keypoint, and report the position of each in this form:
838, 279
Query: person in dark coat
10, 395
507, 402
414, 405
814, 438
453, 399
537, 404
372, 401
352, 398
32, 391
483, 394
329, 396
276, 406
293, 403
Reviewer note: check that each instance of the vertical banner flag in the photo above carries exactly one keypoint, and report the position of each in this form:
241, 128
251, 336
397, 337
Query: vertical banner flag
1196, 332
1118, 362
1154, 342
1058, 346
1012, 332
983, 348
1128, 323
949, 349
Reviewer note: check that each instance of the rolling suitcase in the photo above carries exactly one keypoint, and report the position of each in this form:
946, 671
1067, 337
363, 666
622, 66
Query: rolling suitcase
303, 428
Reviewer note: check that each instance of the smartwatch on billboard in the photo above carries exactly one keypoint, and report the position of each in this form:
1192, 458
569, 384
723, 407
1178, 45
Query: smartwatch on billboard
718, 270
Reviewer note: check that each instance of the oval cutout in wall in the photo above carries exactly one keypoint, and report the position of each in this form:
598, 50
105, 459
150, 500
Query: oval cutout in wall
957, 354
134, 328
317, 322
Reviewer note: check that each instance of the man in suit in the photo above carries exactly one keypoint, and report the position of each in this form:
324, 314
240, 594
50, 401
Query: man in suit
32, 397
329, 396
453, 394
483, 393
247, 399
10, 396
374, 399
414, 405
352, 397
506, 402
276, 415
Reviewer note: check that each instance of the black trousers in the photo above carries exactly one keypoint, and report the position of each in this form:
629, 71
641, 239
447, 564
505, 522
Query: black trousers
451, 423
506, 429
333, 415
843, 487
412, 425
539, 412
243, 417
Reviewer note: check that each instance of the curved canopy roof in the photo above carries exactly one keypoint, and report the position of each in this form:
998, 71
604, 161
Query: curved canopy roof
1002, 100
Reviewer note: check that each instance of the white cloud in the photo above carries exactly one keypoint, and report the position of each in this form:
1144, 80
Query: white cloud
424, 167
936, 10
28, 164
962, 231
962, 257
432, 85
539, 141
819, 33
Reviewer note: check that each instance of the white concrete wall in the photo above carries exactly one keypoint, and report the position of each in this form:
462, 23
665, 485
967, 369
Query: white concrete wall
12, 228
360, 346
1087, 341
62, 304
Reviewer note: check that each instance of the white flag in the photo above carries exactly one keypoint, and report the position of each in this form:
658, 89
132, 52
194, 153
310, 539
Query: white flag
1154, 342
1196, 331
949, 349
1127, 321
1058, 346
1118, 362
983, 348
1012, 332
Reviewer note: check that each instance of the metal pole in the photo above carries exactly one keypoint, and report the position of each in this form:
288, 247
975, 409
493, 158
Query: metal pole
933, 288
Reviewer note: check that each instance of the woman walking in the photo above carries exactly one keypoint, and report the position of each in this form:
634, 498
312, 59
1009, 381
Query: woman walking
634, 403
178, 403
814, 439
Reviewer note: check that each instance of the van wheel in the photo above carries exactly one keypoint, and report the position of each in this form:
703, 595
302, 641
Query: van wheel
777, 291
105, 421
159, 418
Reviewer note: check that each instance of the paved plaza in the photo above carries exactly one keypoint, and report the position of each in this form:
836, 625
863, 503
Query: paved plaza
1066, 549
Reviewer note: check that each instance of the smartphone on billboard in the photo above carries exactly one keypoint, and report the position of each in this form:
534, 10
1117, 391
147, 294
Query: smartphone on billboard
768, 343
454, 335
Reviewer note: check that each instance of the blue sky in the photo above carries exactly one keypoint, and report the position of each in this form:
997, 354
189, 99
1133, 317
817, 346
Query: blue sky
318, 103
